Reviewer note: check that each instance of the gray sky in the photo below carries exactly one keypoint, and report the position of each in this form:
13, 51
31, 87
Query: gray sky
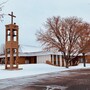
31, 14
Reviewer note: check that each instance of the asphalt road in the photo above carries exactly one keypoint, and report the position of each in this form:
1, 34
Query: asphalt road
67, 80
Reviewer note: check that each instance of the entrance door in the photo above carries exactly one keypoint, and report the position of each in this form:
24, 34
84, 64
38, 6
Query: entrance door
26, 61
33, 59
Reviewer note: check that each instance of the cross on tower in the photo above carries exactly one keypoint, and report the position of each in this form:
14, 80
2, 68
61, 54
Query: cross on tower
12, 16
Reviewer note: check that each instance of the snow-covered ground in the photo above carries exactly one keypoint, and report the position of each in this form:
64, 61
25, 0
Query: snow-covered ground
35, 69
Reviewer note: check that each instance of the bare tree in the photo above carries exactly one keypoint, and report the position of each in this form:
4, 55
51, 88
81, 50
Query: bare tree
65, 35
1, 6
2, 49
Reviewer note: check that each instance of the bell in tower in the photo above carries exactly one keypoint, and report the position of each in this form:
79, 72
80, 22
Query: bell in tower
11, 45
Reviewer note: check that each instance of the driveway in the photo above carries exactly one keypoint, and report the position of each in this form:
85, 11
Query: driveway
67, 80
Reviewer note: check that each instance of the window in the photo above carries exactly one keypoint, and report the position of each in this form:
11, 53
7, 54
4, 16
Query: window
14, 35
8, 36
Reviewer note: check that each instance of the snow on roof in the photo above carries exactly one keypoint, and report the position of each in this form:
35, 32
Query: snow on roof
40, 53
28, 48
88, 53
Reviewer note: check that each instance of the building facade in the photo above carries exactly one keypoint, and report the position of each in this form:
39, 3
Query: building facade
53, 58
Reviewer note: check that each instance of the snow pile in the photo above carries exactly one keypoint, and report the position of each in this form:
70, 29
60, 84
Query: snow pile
35, 69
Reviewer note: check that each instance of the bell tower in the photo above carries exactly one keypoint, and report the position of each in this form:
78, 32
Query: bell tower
11, 45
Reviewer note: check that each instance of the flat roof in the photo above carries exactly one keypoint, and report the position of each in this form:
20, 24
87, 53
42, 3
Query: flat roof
40, 53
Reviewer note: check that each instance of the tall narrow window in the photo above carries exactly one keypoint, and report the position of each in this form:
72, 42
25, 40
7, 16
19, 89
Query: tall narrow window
14, 35
8, 36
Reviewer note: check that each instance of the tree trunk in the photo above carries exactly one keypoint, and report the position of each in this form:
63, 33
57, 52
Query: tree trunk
66, 59
84, 60
67, 64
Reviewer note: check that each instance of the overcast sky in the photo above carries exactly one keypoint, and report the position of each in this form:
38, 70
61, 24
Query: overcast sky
31, 14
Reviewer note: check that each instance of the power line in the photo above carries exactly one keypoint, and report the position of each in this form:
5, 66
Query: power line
30, 46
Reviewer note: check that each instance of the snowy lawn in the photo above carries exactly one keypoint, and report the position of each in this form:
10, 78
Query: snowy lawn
35, 69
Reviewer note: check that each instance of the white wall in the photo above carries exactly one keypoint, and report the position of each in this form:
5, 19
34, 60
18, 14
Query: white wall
43, 58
